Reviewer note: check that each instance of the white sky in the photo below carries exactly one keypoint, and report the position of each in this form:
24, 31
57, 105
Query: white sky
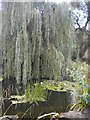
57, 1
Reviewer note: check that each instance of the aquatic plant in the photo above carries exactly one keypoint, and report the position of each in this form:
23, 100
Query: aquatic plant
32, 94
39, 91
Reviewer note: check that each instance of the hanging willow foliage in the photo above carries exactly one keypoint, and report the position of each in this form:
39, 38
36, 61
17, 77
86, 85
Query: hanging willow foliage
37, 40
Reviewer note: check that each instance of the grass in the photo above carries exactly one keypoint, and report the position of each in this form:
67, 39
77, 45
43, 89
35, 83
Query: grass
38, 92
32, 94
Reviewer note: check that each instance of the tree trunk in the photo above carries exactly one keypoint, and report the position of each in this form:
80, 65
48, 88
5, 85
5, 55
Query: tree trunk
84, 46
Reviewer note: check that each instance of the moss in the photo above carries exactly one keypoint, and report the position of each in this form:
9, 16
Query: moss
58, 85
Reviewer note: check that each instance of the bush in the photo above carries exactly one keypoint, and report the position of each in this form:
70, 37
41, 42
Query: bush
79, 73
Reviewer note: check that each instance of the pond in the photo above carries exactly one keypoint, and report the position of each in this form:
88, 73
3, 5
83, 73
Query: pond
57, 102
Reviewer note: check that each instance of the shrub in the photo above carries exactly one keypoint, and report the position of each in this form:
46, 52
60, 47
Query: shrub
79, 73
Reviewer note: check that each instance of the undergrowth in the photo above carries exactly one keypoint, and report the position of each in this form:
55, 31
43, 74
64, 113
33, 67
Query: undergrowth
79, 73
33, 93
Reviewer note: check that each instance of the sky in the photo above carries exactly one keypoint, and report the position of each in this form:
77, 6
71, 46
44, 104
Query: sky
57, 1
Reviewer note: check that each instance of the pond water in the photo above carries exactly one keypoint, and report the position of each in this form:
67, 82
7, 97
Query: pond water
57, 102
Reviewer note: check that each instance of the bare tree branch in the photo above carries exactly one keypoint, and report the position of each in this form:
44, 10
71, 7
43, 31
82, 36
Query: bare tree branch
88, 19
79, 28
78, 23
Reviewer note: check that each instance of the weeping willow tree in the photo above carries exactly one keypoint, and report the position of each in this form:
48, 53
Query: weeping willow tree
37, 40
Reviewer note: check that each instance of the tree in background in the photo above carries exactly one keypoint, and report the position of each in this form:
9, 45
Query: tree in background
82, 18
37, 40
81, 12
